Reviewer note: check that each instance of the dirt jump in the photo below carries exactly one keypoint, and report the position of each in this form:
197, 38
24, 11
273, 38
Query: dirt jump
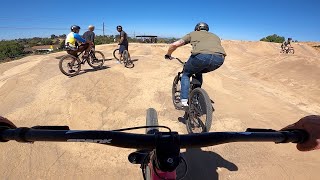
256, 87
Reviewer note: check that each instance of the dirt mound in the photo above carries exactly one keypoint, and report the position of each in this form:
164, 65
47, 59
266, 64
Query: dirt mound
256, 87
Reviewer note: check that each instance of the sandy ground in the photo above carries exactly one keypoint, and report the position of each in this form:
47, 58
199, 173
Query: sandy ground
256, 87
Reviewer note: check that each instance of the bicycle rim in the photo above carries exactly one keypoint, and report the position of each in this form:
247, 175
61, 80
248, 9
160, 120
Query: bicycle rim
200, 112
176, 90
69, 65
96, 60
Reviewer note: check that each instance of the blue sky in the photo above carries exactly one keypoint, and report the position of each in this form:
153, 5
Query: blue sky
229, 19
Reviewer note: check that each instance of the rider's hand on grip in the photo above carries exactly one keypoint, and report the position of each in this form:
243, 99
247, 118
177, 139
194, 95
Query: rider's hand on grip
310, 124
6, 124
167, 57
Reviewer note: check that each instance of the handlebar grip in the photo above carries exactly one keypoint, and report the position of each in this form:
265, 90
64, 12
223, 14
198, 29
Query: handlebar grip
300, 135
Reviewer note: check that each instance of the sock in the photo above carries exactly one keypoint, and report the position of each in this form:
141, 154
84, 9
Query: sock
184, 102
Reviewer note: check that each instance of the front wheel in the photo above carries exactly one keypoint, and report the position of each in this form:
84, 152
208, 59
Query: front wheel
152, 120
69, 65
96, 59
199, 116
291, 51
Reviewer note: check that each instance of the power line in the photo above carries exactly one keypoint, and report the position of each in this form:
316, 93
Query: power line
10, 27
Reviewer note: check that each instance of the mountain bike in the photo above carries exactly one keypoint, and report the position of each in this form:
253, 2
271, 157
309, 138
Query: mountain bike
198, 116
127, 62
158, 152
288, 50
70, 65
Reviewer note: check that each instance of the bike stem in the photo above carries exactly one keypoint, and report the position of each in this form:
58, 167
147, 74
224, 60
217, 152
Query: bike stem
167, 151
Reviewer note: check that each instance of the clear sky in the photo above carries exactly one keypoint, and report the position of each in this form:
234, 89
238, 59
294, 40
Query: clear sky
229, 19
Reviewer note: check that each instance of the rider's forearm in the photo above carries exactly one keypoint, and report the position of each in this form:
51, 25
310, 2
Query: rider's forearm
175, 45
171, 49
121, 40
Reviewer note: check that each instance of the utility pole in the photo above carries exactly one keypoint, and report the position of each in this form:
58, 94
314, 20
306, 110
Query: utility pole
103, 28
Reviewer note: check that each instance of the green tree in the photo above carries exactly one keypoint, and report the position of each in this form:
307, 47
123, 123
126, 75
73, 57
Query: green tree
62, 44
46, 41
10, 49
273, 38
103, 40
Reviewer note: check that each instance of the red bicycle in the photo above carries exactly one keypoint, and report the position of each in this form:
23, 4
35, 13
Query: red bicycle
158, 152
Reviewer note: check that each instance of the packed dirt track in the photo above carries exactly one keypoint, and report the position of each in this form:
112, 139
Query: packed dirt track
256, 87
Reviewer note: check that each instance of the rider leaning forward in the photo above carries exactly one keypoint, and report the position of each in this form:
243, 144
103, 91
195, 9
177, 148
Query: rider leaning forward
207, 55
286, 44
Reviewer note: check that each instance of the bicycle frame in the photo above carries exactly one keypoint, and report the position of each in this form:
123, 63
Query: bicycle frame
194, 83
84, 60
147, 159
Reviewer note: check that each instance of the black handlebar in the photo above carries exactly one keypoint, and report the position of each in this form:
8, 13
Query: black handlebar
144, 141
178, 60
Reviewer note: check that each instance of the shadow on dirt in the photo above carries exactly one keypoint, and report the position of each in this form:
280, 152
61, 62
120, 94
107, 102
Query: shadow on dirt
203, 165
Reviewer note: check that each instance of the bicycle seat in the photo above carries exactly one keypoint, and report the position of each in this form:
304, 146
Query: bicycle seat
195, 81
70, 48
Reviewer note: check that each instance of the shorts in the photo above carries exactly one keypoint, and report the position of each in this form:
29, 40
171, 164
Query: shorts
123, 47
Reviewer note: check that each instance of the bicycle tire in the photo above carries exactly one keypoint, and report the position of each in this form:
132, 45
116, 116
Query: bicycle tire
77, 65
116, 54
152, 120
176, 90
96, 61
199, 105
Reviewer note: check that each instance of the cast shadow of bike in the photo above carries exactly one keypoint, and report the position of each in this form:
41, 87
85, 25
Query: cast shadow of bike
91, 70
203, 165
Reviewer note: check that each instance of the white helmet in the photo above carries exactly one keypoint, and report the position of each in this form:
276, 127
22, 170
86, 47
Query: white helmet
91, 27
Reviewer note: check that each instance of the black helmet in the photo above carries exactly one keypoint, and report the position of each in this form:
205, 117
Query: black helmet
289, 39
202, 26
73, 27
119, 27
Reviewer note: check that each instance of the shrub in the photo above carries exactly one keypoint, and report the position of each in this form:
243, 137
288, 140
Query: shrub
10, 49
273, 38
